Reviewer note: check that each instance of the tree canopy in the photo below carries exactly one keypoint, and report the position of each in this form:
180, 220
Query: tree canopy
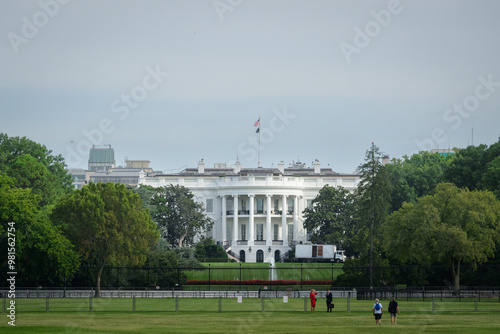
451, 227
178, 214
33, 166
43, 254
415, 176
330, 218
107, 224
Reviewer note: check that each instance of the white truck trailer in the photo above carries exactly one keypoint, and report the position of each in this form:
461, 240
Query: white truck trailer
321, 253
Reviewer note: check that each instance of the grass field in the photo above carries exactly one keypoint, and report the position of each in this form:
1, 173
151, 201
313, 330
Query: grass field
262, 271
157, 315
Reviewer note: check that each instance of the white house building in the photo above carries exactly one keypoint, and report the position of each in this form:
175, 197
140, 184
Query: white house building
257, 211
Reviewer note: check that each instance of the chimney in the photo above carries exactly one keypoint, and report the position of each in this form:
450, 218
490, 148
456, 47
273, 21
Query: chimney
317, 167
201, 167
281, 167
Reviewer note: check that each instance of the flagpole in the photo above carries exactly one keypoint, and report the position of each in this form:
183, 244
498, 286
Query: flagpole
259, 144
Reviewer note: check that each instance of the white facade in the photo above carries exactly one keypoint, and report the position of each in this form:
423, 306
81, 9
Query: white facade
257, 212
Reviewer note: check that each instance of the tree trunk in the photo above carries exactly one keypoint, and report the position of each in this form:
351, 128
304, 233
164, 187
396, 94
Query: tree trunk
181, 238
98, 285
456, 276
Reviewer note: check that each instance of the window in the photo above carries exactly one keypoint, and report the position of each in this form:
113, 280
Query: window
276, 206
260, 205
260, 256
276, 229
243, 205
243, 232
260, 232
277, 256
290, 205
308, 236
309, 203
210, 205
290, 232
242, 255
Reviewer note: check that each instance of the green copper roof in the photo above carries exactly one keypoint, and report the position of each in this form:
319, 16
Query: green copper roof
102, 155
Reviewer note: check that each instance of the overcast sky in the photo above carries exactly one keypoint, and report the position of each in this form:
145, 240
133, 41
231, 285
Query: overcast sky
177, 81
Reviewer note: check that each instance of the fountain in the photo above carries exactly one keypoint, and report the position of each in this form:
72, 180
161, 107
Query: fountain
272, 270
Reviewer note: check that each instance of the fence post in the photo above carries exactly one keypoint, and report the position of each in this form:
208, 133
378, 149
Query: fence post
348, 302
220, 304
305, 304
433, 304
90, 304
475, 304
47, 304
177, 304
133, 304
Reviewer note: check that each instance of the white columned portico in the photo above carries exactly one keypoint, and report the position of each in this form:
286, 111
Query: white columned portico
268, 222
235, 219
295, 217
284, 227
251, 236
224, 220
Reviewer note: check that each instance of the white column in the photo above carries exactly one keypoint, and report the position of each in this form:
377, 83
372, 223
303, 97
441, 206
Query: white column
224, 219
235, 219
268, 222
251, 236
295, 217
284, 227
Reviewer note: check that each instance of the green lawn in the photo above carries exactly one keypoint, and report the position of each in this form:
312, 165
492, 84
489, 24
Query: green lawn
262, 271
157, 315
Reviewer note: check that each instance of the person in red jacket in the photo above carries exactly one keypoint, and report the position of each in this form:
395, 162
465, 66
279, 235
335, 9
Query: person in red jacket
313, 299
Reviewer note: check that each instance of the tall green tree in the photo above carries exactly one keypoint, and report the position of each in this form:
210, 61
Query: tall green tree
415, 176
107, 224
491, 176
331, 217
450, 227
35, 167
44, 256
373, 204
180, 217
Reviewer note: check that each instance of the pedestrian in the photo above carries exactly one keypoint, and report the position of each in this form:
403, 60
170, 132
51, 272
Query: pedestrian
329, 299
377, 312
394, 310
312, 295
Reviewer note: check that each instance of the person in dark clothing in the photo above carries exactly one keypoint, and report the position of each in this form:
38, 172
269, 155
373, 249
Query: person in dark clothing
329, 299
394, 310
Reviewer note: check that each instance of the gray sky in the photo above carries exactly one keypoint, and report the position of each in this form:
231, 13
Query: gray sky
176, 81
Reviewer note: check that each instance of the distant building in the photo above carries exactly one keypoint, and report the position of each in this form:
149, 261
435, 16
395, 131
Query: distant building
78, 175
101, 158
129, 175
101, 168
443, 151
257, 211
